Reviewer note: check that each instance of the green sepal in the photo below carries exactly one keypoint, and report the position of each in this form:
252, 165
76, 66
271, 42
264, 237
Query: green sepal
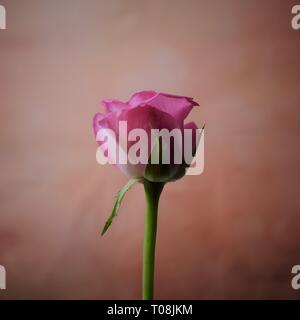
119, 197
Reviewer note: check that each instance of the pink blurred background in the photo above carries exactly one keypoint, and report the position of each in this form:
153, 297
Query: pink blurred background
233, 232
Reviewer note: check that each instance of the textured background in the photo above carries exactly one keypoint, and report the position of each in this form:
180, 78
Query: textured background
233, 232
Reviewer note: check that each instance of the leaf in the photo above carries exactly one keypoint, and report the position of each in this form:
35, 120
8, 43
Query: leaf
119, 197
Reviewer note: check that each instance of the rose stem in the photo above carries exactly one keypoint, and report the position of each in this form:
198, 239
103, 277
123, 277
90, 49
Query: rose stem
152, 192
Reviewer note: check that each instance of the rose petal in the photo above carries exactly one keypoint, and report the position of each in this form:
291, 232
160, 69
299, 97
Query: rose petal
148, 110
96, 122
177, 106
113, 105
141, 98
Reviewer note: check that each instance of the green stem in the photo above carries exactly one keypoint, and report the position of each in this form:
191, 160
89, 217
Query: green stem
152, 191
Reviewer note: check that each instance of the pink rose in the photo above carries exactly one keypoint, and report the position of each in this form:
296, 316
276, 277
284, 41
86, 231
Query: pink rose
149, 110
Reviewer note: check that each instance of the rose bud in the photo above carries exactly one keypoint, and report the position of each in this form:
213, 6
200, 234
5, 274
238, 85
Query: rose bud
149, 110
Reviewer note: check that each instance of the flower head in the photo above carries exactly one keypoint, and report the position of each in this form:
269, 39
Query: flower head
150, 110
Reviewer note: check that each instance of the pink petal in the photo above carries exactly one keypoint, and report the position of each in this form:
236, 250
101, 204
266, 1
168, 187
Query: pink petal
177, 106
113, 105
98, 117
141, 98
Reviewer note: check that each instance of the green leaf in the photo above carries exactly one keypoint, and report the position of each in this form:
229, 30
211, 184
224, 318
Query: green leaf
119, 198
